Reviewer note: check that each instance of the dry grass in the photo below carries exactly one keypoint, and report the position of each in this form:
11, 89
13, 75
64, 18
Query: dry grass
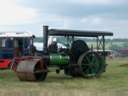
114, 82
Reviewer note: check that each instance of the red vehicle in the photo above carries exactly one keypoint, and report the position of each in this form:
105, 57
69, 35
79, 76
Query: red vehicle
14, 44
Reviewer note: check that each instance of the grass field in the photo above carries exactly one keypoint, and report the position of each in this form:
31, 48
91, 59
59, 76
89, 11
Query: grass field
114, 82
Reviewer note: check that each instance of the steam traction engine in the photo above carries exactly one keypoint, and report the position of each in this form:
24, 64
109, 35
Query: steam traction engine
77, 59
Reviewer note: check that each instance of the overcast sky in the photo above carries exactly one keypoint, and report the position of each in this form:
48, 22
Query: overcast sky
31, 15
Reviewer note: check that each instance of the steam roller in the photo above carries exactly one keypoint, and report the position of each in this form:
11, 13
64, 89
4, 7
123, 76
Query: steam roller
76, 59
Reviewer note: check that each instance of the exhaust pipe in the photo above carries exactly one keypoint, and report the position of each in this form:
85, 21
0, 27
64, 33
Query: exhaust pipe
45, 39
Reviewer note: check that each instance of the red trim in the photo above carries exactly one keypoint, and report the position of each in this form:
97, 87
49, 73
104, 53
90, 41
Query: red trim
4, 63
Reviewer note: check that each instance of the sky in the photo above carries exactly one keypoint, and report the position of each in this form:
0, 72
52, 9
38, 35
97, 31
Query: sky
31, 15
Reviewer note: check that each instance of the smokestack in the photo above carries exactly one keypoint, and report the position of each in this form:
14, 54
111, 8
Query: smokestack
45, 39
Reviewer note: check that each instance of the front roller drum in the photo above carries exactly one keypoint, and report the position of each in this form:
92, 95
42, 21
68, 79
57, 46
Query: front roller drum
31, 70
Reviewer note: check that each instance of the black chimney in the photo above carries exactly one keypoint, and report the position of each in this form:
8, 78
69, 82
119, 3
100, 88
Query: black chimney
45, 39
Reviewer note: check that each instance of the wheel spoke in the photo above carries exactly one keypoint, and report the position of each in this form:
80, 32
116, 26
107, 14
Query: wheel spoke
88, 60
93, 59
